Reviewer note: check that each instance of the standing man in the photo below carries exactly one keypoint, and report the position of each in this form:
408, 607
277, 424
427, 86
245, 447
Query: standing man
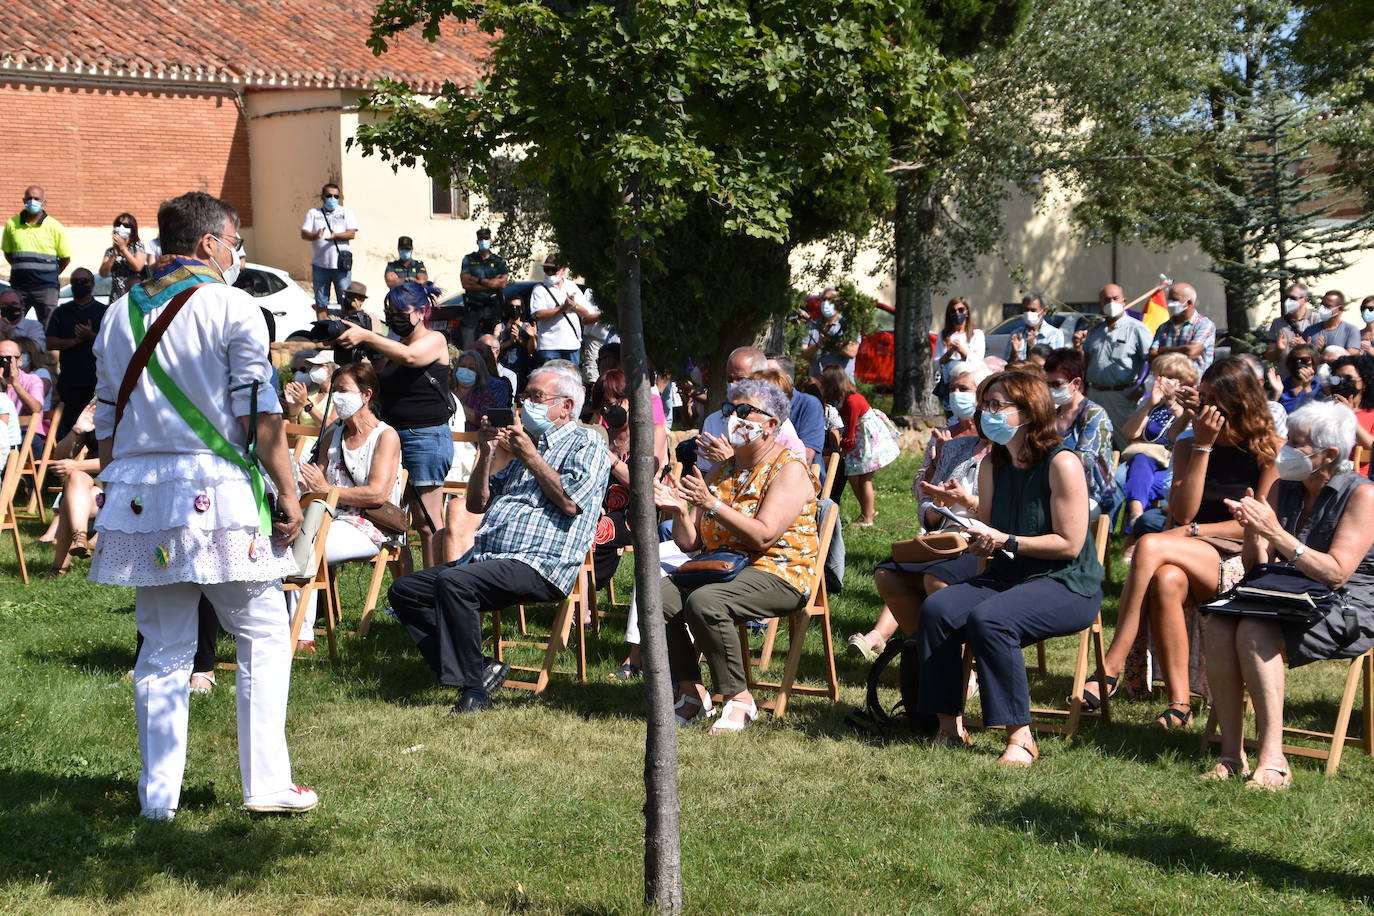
558, 307
1038, 330
36, 247
484, 275
328, 228
1286, 330
72, 330
405, 267
1329, 330
1117, 351
1187, 331
186, 513
828, 341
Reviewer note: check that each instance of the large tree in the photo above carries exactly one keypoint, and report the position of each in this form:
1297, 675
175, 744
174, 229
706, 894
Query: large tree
684, 150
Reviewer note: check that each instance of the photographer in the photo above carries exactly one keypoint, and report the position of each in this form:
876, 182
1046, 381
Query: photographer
353, 313
24, 388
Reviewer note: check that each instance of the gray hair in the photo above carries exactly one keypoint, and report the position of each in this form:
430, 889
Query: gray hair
1327, 424
1256, 365
975, 367
182, 221
768, 394
481, 370
569, 384
757, 358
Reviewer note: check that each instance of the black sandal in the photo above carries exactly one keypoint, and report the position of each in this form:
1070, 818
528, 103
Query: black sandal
1171, 718
626, 672
1094, 703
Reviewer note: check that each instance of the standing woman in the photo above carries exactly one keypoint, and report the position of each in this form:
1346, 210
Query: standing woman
960, 341
1041, 577
415, 401
869, 441
125, 258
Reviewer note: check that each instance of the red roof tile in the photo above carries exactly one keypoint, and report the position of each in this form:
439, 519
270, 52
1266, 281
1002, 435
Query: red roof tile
254, 43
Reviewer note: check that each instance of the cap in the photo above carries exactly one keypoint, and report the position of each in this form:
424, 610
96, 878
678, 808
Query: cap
405, 241
356, 289
322, 358
484, 233
554, 262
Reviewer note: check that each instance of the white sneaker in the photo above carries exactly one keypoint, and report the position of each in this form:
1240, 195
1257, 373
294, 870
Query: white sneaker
158, 814
294, 799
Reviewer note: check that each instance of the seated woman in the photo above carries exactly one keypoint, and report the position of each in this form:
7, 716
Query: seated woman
306, 396
361, 456
477, 390
761, 502
1041, 578
1352, 384
949, 478
1301, 384
1083, 425
1231, 450
1320, 518
1158, 421
78, 505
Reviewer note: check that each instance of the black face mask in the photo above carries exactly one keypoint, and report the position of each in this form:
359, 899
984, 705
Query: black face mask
615, 417
13, 313
399, 323
82, 290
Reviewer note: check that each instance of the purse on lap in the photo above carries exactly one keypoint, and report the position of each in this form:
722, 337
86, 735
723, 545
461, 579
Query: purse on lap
928, 548
1278, 592
709, 568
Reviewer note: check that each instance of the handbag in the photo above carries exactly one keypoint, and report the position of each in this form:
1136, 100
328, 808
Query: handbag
928, 548
388, 517
1277, 591
709, 568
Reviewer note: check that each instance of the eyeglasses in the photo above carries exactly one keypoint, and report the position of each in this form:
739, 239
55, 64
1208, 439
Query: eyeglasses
124, 225
999, 406
535, 397
237, 241
742, 410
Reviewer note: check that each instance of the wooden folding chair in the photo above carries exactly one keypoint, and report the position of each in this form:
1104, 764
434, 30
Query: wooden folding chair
1361, 668
301, 439
34, 507
817, 607
832, 467
319, 582
388, 557
8, 487
568, 614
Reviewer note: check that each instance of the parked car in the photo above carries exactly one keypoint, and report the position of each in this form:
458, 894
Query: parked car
101, 293
1068, 322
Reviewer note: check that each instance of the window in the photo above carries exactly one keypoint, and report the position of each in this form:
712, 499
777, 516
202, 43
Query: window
259, 282
447, 198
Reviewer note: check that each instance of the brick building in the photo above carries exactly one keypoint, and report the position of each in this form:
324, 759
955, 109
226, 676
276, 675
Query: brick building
111, 107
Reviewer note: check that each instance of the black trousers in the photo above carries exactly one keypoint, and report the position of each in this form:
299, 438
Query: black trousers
208, 631
74, 400
442, 609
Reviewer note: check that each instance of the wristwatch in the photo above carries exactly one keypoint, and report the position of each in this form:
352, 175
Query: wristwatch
1010, 544
1301, 549
715, 507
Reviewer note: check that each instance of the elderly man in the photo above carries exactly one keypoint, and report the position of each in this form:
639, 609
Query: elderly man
36, 247
1038, 330
1286, 330
1329, 330
1116, 351
540, 484
186, 510
13, 324
1187, 331
72, 329
489, 343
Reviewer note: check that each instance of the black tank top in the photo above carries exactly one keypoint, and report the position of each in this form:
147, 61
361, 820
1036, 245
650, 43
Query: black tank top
414, 397
1229, 472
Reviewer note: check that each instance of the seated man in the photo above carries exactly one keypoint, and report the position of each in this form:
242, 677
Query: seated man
540, 484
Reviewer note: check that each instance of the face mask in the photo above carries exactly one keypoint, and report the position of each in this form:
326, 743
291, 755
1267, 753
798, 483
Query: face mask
535, 419
1293, 464
1032, 319
1290, 306
827, 310
123, 231
1061, 395
319, 374
963, 403
484, 245
1114, 309
1323, 374
960, 318
400, 323
12, 313
615, 417
1176, 308
347, 403
405, 254
79, 291
34, 207
996, 428
331, 204
1322, 314
466, 377
1367, 316
742, 432
230, 273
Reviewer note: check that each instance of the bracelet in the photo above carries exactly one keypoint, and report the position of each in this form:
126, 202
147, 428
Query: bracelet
1202, 449
1192, 529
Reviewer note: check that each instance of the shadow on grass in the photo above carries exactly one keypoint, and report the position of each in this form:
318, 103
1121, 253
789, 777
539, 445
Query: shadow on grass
80, 834
109, 658
1170, 847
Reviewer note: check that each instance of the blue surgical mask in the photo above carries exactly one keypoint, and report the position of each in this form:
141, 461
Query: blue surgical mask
535, 419
963, 403
465, 376
405, 254
1367, 316
827, 310
484, 245
996, 428
34, 206
331, 204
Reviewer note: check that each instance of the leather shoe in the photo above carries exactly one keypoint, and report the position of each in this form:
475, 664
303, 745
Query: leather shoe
495, 675
471, 702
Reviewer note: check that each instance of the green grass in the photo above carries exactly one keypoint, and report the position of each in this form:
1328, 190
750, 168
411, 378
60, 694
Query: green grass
535, 807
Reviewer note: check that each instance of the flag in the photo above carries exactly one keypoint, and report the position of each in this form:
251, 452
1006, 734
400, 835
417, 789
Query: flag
1155, 313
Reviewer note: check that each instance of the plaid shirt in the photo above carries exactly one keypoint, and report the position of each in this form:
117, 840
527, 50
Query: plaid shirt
1200, 329
521, 524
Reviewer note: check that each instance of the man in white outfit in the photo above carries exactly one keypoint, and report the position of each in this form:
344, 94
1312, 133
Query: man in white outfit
186, 509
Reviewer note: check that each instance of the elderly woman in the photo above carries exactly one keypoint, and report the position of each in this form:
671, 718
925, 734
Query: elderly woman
306, 396
1320, 518
1041, 578
949, 479
762, 503
414, 398
476, 389
361, 456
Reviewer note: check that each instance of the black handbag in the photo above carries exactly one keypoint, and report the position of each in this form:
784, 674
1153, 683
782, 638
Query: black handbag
1277, 591
709, 568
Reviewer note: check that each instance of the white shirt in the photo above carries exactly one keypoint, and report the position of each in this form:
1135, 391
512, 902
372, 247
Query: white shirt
507, 374
324, 254
217, 343
977, 349
14, 436
564, 330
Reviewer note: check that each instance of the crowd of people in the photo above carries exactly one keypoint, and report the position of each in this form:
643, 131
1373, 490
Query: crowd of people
176, 452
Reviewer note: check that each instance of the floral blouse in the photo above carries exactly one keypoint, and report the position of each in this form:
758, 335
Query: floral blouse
792, 556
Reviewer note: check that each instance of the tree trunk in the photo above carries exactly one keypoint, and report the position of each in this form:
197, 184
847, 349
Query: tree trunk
1237, 292
662, 841
912, 378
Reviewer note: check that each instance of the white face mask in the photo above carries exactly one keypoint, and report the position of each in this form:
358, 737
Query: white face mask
1032, 319
230, 273
1176, 308
1113, 309
742, 432
1290, 306
1322, 314
1293, 464
347, 403
1062, 395
319, 374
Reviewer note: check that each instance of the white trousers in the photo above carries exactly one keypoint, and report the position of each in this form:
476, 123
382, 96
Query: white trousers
343, 543
167, 617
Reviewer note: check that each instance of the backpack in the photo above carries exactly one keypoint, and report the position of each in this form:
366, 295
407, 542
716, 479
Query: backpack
899, 720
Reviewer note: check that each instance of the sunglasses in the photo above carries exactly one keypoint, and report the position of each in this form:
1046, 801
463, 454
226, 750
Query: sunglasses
742, 410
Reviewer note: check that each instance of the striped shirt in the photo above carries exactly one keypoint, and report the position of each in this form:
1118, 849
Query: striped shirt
1199, 329
36, 251
520, 522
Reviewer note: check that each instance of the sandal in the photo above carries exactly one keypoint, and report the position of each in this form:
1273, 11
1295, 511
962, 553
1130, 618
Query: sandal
1225, 769
945, 739
79, 546
726, 724
1093, 701
207, 677
626, 672
1032, 748
1171, 717
703, 711
860, 646
1285, 780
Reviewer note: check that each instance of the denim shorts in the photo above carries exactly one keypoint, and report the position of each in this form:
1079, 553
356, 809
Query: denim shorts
426, 454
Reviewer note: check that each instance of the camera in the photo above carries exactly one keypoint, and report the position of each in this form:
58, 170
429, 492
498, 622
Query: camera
327, 330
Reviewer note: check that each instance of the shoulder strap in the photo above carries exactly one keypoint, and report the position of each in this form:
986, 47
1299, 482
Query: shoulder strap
145, 352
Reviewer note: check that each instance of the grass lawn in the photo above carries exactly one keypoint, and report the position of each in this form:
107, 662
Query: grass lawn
535, 807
